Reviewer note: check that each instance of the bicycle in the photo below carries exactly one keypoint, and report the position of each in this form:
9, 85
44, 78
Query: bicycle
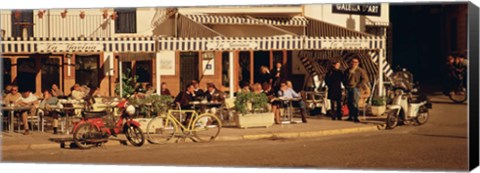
200, 128
459, 92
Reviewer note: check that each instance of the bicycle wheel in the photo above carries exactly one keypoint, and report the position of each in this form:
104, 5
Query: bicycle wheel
134, 135
160, 130
206, 128
459, 95
82, 134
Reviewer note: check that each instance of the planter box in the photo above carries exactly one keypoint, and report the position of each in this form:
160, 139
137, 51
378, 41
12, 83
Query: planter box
143, 123
255, 120
378, 110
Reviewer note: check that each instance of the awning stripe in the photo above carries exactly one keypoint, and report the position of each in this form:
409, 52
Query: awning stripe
241, 20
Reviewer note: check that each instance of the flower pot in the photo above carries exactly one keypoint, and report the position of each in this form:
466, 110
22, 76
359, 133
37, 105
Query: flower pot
378, 110
255, 120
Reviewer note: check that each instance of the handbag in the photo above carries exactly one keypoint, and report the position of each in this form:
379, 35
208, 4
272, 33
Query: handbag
345, 111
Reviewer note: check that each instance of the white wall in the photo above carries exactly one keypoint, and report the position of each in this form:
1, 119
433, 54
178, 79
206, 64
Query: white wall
323, 12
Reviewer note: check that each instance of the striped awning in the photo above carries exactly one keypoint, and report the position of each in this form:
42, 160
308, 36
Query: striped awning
242, 20
231, 43
77, 45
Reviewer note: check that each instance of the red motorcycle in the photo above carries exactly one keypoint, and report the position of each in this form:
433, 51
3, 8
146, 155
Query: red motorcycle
94, 129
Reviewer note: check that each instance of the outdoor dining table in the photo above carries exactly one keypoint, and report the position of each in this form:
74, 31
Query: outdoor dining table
12, 110
204, 105
67, 110
289, 102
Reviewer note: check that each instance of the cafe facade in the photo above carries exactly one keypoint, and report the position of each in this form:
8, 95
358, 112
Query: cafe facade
179, 45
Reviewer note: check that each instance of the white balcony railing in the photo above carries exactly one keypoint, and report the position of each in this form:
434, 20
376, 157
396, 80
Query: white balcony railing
70, 26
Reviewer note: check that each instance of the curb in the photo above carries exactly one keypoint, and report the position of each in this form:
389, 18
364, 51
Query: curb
219, 138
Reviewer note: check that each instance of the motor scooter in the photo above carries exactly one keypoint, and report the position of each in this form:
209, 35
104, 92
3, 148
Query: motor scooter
406, 107
94, 130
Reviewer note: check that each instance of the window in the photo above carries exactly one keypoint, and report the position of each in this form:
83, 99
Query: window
7, 76
26, 78
86, 70
50, 69
22, 19
126, 21
143, 71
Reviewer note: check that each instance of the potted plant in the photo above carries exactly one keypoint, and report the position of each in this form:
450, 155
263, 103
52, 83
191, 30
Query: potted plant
378, 106
251, 110
149, 106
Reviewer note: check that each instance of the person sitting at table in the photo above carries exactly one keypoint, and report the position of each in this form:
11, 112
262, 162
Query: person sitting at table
257, 88
56, 91
289, 93
45, 105
184, 98
12, 96
164, 89
244, 86
213, 94
27, 99
7, 90
150, 89
77, 92
198, 91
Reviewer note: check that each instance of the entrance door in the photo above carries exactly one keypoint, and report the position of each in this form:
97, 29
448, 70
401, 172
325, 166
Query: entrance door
87, 70
188, 68
7, 71
261, 58
244, 63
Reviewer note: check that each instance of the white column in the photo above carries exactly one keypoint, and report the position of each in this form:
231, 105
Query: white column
120, 77
381, 57
231, 72
157, 73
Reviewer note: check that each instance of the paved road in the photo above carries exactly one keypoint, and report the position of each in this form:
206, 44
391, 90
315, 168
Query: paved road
441, 144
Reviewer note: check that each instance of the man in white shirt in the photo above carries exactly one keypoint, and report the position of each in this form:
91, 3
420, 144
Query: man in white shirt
27, 99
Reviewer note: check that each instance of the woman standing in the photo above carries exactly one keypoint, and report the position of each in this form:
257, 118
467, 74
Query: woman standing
333, 79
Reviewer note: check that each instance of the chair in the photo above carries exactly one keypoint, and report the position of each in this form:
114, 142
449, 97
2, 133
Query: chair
37, 119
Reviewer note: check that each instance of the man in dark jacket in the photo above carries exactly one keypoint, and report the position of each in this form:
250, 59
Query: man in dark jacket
334, 79
354, 78
278, 76
184, 98
213, 94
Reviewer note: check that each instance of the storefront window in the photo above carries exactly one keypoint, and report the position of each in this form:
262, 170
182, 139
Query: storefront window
143, 69
86, 70
244, 61
7, 71
225, 69
26, 78
50, 72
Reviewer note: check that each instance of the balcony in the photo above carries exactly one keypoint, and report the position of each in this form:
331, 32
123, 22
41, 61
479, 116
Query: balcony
54, 25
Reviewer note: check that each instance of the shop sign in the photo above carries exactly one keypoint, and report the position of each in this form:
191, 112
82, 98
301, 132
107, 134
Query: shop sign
69, 47
231, 45
344, 45
362, 9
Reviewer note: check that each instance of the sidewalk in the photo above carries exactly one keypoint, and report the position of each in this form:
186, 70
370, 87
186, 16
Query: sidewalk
317, 126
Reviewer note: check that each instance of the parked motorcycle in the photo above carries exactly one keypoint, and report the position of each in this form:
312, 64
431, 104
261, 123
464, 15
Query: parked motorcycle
406, 106
94, 129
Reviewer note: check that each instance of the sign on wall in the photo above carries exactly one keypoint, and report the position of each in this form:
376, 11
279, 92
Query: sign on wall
344, 45
361, 9
70, 47
231, 45
166, 64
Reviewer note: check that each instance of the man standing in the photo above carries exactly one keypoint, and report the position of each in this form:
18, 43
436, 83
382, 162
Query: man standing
355, 79
278, 74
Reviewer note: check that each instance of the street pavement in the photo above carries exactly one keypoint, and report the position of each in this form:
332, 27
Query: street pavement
441, 144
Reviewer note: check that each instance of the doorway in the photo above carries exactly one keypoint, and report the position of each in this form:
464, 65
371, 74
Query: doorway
261, 58
27, 72
188, 68
50, 69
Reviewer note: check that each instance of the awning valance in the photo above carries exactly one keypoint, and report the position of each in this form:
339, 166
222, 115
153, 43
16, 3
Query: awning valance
343, 43
231, 43
241, 20
82, 44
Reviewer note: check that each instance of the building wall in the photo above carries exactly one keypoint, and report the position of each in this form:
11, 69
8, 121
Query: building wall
323, 12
